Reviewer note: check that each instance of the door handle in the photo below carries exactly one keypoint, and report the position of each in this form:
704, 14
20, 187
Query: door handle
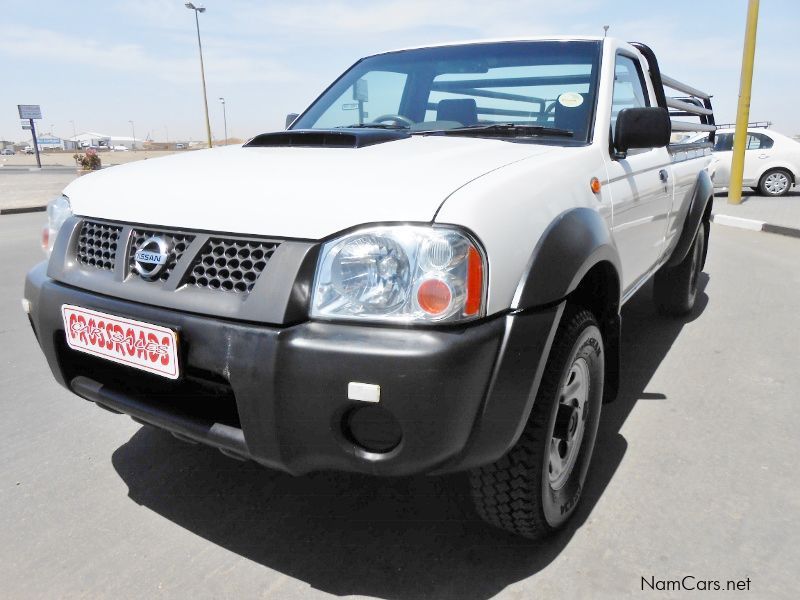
663, 175
763, 156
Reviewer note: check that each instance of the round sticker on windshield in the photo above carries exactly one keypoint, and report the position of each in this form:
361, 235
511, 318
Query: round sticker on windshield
570, 99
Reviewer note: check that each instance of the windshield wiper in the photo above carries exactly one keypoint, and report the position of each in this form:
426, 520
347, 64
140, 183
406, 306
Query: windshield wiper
371, 126
502, 130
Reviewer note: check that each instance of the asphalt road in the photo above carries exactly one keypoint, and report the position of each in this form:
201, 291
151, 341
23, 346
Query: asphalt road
695, 474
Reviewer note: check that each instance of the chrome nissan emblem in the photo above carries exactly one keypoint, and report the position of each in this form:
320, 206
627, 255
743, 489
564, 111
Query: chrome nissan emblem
152, 257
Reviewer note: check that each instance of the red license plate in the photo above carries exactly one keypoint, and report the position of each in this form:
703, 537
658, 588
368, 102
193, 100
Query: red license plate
139, 345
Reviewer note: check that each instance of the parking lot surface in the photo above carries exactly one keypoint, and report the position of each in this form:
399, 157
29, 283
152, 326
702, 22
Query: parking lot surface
783, 211
695, 473
22, 188
65, 158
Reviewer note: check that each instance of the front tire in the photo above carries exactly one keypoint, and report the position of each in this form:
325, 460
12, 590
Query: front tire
775, 182
535, 488
675, 288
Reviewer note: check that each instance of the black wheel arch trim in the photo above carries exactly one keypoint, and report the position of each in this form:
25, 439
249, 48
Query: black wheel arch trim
577, 240
702, 199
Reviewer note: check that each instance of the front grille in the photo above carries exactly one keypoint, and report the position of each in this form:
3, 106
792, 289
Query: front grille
216, 263
177, 242
97, 245
230, 265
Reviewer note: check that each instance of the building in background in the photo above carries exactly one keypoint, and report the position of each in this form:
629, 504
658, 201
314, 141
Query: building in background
92, 139
88, 139
128, 142
48, 141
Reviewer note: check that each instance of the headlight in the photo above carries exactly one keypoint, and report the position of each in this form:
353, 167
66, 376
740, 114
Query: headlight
400, 274
58, 211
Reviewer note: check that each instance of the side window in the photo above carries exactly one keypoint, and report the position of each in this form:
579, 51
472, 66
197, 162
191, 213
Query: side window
723, 142
629, 89
765, 141
753, 142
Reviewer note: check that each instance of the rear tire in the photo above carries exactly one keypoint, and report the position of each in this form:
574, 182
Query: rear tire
775, 182
535, 488
675, 288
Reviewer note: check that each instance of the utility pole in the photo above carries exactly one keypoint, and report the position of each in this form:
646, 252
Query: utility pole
133, 131
225, 119
743, 109
74, 135
197, 10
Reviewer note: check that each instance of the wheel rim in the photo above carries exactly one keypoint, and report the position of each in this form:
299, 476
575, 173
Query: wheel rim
776, 183
565, 443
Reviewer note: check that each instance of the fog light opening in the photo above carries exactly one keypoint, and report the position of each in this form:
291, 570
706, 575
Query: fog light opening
372, 428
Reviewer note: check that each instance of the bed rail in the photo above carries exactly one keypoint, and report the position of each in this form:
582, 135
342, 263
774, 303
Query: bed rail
688, 102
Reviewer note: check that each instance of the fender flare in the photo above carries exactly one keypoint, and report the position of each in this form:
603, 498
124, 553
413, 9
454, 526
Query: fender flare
702, 198
576, 240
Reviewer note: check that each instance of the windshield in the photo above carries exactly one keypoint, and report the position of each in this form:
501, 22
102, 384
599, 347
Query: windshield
539, 84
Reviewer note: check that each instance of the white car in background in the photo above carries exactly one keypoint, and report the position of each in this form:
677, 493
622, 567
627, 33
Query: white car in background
771, 163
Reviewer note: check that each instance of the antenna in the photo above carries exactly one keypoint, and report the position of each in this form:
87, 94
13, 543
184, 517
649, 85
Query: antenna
605, 30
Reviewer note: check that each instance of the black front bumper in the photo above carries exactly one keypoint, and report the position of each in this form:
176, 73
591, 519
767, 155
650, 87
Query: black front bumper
279, 396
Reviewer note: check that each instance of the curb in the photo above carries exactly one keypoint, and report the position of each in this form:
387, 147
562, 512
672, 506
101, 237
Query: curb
754, 225
22, 210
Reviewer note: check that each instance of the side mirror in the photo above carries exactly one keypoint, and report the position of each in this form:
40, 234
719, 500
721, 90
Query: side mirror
647, 127
290, 119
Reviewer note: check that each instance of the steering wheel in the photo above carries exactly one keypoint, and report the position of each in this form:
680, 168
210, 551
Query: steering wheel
395, 118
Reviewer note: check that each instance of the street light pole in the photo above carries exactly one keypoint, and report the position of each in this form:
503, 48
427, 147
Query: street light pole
743, 107
133, 131
74, 135
225, 119
197, 10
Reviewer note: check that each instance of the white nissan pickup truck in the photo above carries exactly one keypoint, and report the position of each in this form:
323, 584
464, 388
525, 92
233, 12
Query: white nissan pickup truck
422, 274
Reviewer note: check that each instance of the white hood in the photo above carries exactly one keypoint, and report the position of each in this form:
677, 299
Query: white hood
291, 191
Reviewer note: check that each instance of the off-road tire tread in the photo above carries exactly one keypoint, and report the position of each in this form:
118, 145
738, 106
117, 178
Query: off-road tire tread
671, 285
507, 493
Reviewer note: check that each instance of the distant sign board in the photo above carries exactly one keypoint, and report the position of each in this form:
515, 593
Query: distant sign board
25, 124
29, 111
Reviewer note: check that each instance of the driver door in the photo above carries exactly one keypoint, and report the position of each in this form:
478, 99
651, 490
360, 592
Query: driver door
640, 184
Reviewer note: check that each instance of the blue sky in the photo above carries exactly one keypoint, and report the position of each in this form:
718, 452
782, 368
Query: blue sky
103, 63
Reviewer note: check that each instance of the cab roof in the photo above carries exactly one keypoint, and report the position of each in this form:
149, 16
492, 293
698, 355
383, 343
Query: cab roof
539, 38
